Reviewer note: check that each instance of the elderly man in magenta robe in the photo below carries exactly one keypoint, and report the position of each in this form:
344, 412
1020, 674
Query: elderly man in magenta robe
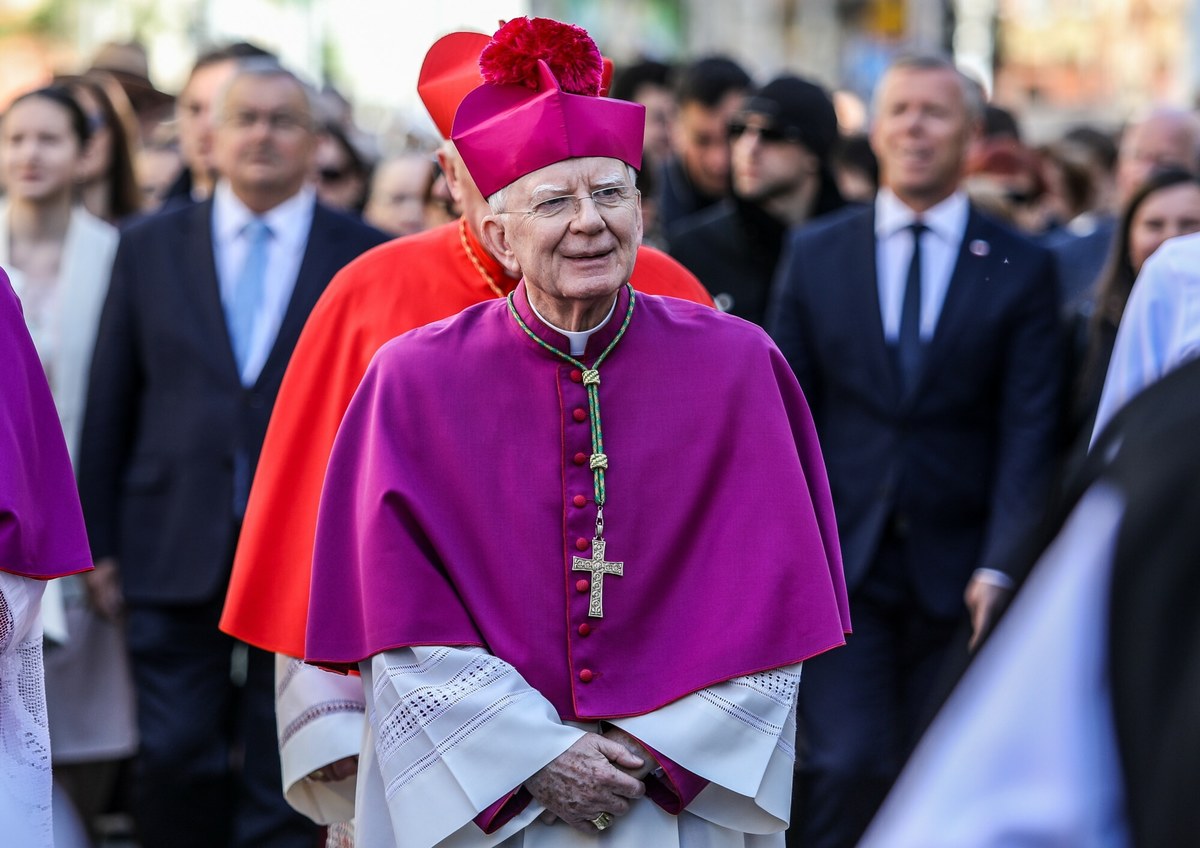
403, 285
579, 541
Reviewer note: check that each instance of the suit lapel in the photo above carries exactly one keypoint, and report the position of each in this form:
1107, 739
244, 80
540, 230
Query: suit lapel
314, 274
203, 288
863, 287
957, 310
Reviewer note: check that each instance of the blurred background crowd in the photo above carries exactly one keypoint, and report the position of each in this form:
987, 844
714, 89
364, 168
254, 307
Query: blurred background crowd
1091, 147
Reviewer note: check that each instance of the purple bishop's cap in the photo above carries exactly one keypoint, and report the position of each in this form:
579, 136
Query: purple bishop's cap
540, 104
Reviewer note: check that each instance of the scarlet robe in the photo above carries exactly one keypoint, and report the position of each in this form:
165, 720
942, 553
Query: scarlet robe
388, 291
458, 495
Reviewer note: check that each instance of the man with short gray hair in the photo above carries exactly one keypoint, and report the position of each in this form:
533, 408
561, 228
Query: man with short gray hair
926, 339
205, 306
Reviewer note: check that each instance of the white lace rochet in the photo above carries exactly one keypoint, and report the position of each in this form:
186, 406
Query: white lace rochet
24, 733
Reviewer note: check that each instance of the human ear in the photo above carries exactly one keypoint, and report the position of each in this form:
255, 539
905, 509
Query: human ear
495, 239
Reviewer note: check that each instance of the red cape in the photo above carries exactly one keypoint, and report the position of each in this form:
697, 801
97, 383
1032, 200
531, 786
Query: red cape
384, 293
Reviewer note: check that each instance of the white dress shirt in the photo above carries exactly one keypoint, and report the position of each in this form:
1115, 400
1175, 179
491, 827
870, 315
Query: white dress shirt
946, 222
290, 223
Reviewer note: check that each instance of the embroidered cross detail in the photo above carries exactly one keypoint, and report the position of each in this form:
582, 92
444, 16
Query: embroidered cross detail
598, 568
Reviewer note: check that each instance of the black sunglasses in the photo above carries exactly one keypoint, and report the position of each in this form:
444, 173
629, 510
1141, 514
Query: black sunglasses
332, 175
769, 135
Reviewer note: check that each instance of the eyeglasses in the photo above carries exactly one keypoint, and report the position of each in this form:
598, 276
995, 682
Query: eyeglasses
566, 206
276, 121
332, 175
768, 135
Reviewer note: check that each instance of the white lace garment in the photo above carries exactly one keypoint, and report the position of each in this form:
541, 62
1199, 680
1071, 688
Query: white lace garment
24, 733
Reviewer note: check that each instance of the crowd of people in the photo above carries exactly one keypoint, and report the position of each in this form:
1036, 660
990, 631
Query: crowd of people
334, 406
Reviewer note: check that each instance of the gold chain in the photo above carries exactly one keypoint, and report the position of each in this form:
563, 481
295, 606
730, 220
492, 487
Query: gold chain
483, 272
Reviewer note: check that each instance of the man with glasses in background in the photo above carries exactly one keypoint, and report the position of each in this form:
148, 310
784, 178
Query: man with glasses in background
205, 306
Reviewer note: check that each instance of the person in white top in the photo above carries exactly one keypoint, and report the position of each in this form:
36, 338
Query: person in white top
59, 258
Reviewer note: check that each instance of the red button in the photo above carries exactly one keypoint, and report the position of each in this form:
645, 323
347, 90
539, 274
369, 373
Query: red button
586, 675
582, 586
579, 500
584, 629
576, 375
581, 544
580, 458
580, 414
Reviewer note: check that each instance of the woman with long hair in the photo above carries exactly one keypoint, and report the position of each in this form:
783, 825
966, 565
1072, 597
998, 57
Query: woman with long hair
108, 184
59, 257
1166, 205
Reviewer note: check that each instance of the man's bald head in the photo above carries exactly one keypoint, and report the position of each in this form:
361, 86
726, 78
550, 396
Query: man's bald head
1164, 136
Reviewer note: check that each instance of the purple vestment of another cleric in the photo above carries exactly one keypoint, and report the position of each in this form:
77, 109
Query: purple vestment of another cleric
41, 524
459, 493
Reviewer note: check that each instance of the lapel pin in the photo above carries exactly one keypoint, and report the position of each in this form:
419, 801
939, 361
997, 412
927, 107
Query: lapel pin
979, 247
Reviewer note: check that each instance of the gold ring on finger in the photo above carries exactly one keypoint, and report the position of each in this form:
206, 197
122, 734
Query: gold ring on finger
602, 821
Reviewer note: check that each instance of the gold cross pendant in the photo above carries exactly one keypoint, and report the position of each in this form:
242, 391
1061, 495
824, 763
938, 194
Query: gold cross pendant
598, 568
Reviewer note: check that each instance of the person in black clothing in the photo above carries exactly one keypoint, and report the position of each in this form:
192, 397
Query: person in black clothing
708, 93
781, 144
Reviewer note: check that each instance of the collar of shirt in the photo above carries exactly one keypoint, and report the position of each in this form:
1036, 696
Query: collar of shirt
947, 220
289, 222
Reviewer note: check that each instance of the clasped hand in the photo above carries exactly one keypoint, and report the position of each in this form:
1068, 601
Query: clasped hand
593, 776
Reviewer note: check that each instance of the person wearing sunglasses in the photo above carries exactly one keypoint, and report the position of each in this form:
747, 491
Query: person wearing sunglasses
780, 146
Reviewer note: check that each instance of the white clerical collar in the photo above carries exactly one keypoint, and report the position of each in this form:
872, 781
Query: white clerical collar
579, 339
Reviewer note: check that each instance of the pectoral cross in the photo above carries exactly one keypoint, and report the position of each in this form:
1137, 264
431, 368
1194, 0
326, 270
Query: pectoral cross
598, 567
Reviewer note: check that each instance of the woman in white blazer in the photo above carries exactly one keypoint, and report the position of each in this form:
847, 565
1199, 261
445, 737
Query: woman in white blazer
59, 258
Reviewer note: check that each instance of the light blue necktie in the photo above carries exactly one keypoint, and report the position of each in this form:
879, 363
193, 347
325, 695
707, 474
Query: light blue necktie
248, 290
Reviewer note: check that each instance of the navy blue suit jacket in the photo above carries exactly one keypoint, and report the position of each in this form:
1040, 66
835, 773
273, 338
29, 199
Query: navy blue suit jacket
955, 462
167, 411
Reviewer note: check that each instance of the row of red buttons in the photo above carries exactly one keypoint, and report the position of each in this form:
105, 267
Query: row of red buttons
586, 675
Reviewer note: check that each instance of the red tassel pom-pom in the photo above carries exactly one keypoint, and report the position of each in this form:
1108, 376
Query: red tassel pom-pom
512, 55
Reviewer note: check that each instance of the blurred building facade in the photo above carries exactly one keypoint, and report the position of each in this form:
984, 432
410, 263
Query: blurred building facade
1056, 62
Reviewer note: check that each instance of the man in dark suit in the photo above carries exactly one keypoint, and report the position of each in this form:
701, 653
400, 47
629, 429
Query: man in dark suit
1087, 695
205, 306
927, 342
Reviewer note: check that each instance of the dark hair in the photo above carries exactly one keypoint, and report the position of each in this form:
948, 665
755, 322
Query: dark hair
61, 96
998, 121
1097, 142
124, 195
708, 80
1074, 163
628, 79
358, 163
1116, 280
854, 152
236, 51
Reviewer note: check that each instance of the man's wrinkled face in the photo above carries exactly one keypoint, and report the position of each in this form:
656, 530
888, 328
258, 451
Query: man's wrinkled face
572, 229
702, 142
